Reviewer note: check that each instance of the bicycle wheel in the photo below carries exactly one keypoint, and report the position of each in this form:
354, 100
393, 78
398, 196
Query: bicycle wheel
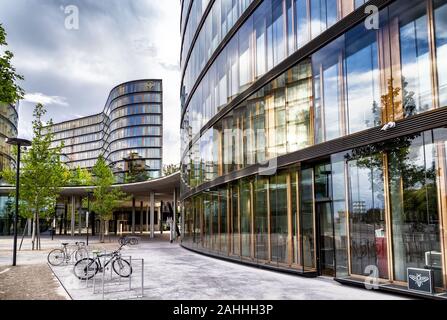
122, 268
133, 241
122, 241
81, 254
86, 268
56, 257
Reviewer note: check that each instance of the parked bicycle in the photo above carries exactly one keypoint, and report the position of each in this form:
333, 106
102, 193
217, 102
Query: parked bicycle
87, 268
128, 240
58, 256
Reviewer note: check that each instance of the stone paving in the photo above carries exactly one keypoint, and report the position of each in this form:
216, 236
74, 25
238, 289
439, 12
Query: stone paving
171, 273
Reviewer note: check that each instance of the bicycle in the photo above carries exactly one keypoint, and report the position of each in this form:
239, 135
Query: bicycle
58, 256
128, 240
87, 268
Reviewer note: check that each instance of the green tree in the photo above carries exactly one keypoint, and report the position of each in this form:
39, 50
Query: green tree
170, 169
41, 176
10, 91
106, 198
80, 177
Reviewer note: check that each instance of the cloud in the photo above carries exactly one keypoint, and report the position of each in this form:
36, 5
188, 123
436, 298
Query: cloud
170, 66
46, 100
117, 41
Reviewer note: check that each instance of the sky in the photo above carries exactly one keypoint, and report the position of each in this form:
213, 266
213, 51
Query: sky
72, 68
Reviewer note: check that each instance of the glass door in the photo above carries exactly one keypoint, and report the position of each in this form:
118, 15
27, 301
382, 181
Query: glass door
324, 220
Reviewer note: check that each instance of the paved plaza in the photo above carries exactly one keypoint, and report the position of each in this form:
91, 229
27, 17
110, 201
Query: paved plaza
172, 272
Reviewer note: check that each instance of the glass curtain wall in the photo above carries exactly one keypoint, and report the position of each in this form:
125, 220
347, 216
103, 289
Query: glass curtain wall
261, 218
414, 204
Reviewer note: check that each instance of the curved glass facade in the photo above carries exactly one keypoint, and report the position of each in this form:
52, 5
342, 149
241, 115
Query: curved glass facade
8, 129
374, 207
130, 124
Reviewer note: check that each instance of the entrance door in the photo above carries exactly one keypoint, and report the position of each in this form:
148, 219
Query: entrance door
324, 220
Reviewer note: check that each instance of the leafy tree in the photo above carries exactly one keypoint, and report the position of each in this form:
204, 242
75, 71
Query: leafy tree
80, 177
106, 198
10, 91
170, 169
41, 176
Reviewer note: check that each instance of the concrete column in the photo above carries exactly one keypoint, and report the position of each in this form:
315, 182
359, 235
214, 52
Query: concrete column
141, 217
174, 210
182, 234
147, 217
80, 216
160, 216
66, 217
73, 216
133, 215
152, 204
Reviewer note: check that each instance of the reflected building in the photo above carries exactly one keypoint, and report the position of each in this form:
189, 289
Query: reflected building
8, 129
128, 133
284, 161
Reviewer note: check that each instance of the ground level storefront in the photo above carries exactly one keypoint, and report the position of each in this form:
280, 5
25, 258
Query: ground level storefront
369, 212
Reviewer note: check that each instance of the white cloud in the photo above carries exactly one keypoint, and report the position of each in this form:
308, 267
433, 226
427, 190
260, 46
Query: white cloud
46, 100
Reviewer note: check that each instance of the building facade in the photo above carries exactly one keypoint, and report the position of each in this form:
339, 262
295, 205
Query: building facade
314, 136
8, 129
128, 133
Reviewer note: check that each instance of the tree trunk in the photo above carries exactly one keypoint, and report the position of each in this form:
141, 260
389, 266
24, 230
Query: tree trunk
33, 238
101, 230
38, 232
29, 226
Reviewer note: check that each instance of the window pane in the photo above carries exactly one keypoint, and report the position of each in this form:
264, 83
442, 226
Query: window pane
260, 210
279, 225
415, 218
441, 48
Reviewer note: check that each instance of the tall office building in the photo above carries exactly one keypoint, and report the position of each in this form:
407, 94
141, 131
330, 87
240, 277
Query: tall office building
128, 132
8, 129
314, 136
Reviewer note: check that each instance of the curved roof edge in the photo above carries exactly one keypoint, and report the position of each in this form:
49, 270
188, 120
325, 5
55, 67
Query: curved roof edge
164, 185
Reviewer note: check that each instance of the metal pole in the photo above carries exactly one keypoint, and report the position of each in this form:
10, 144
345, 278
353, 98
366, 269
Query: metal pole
16, 216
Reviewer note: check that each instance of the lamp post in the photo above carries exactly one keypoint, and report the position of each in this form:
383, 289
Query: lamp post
19, 143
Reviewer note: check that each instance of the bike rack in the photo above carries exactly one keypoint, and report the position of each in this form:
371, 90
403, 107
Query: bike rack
111, 285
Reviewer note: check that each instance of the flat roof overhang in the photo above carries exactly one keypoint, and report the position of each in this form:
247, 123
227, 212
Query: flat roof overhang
164, 186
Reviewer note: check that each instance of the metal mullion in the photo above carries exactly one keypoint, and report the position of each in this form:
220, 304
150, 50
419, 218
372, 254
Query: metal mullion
433, 59
289, 219
388, 217
442, 203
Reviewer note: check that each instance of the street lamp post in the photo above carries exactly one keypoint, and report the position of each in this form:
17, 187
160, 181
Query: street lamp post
19, 143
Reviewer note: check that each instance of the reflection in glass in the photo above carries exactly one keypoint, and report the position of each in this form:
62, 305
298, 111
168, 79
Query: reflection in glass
235, 241
223, 219
279, 224
340, 216
415, 218
415, 58
367, 215
362, 80
260, 211
307, 219
326, 70
440, 17
245, 218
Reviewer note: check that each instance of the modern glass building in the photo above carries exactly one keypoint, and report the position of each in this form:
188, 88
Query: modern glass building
314, 136
130, 128
8, 129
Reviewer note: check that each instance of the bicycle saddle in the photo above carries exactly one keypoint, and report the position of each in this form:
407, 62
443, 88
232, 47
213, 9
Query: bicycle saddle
65, 243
